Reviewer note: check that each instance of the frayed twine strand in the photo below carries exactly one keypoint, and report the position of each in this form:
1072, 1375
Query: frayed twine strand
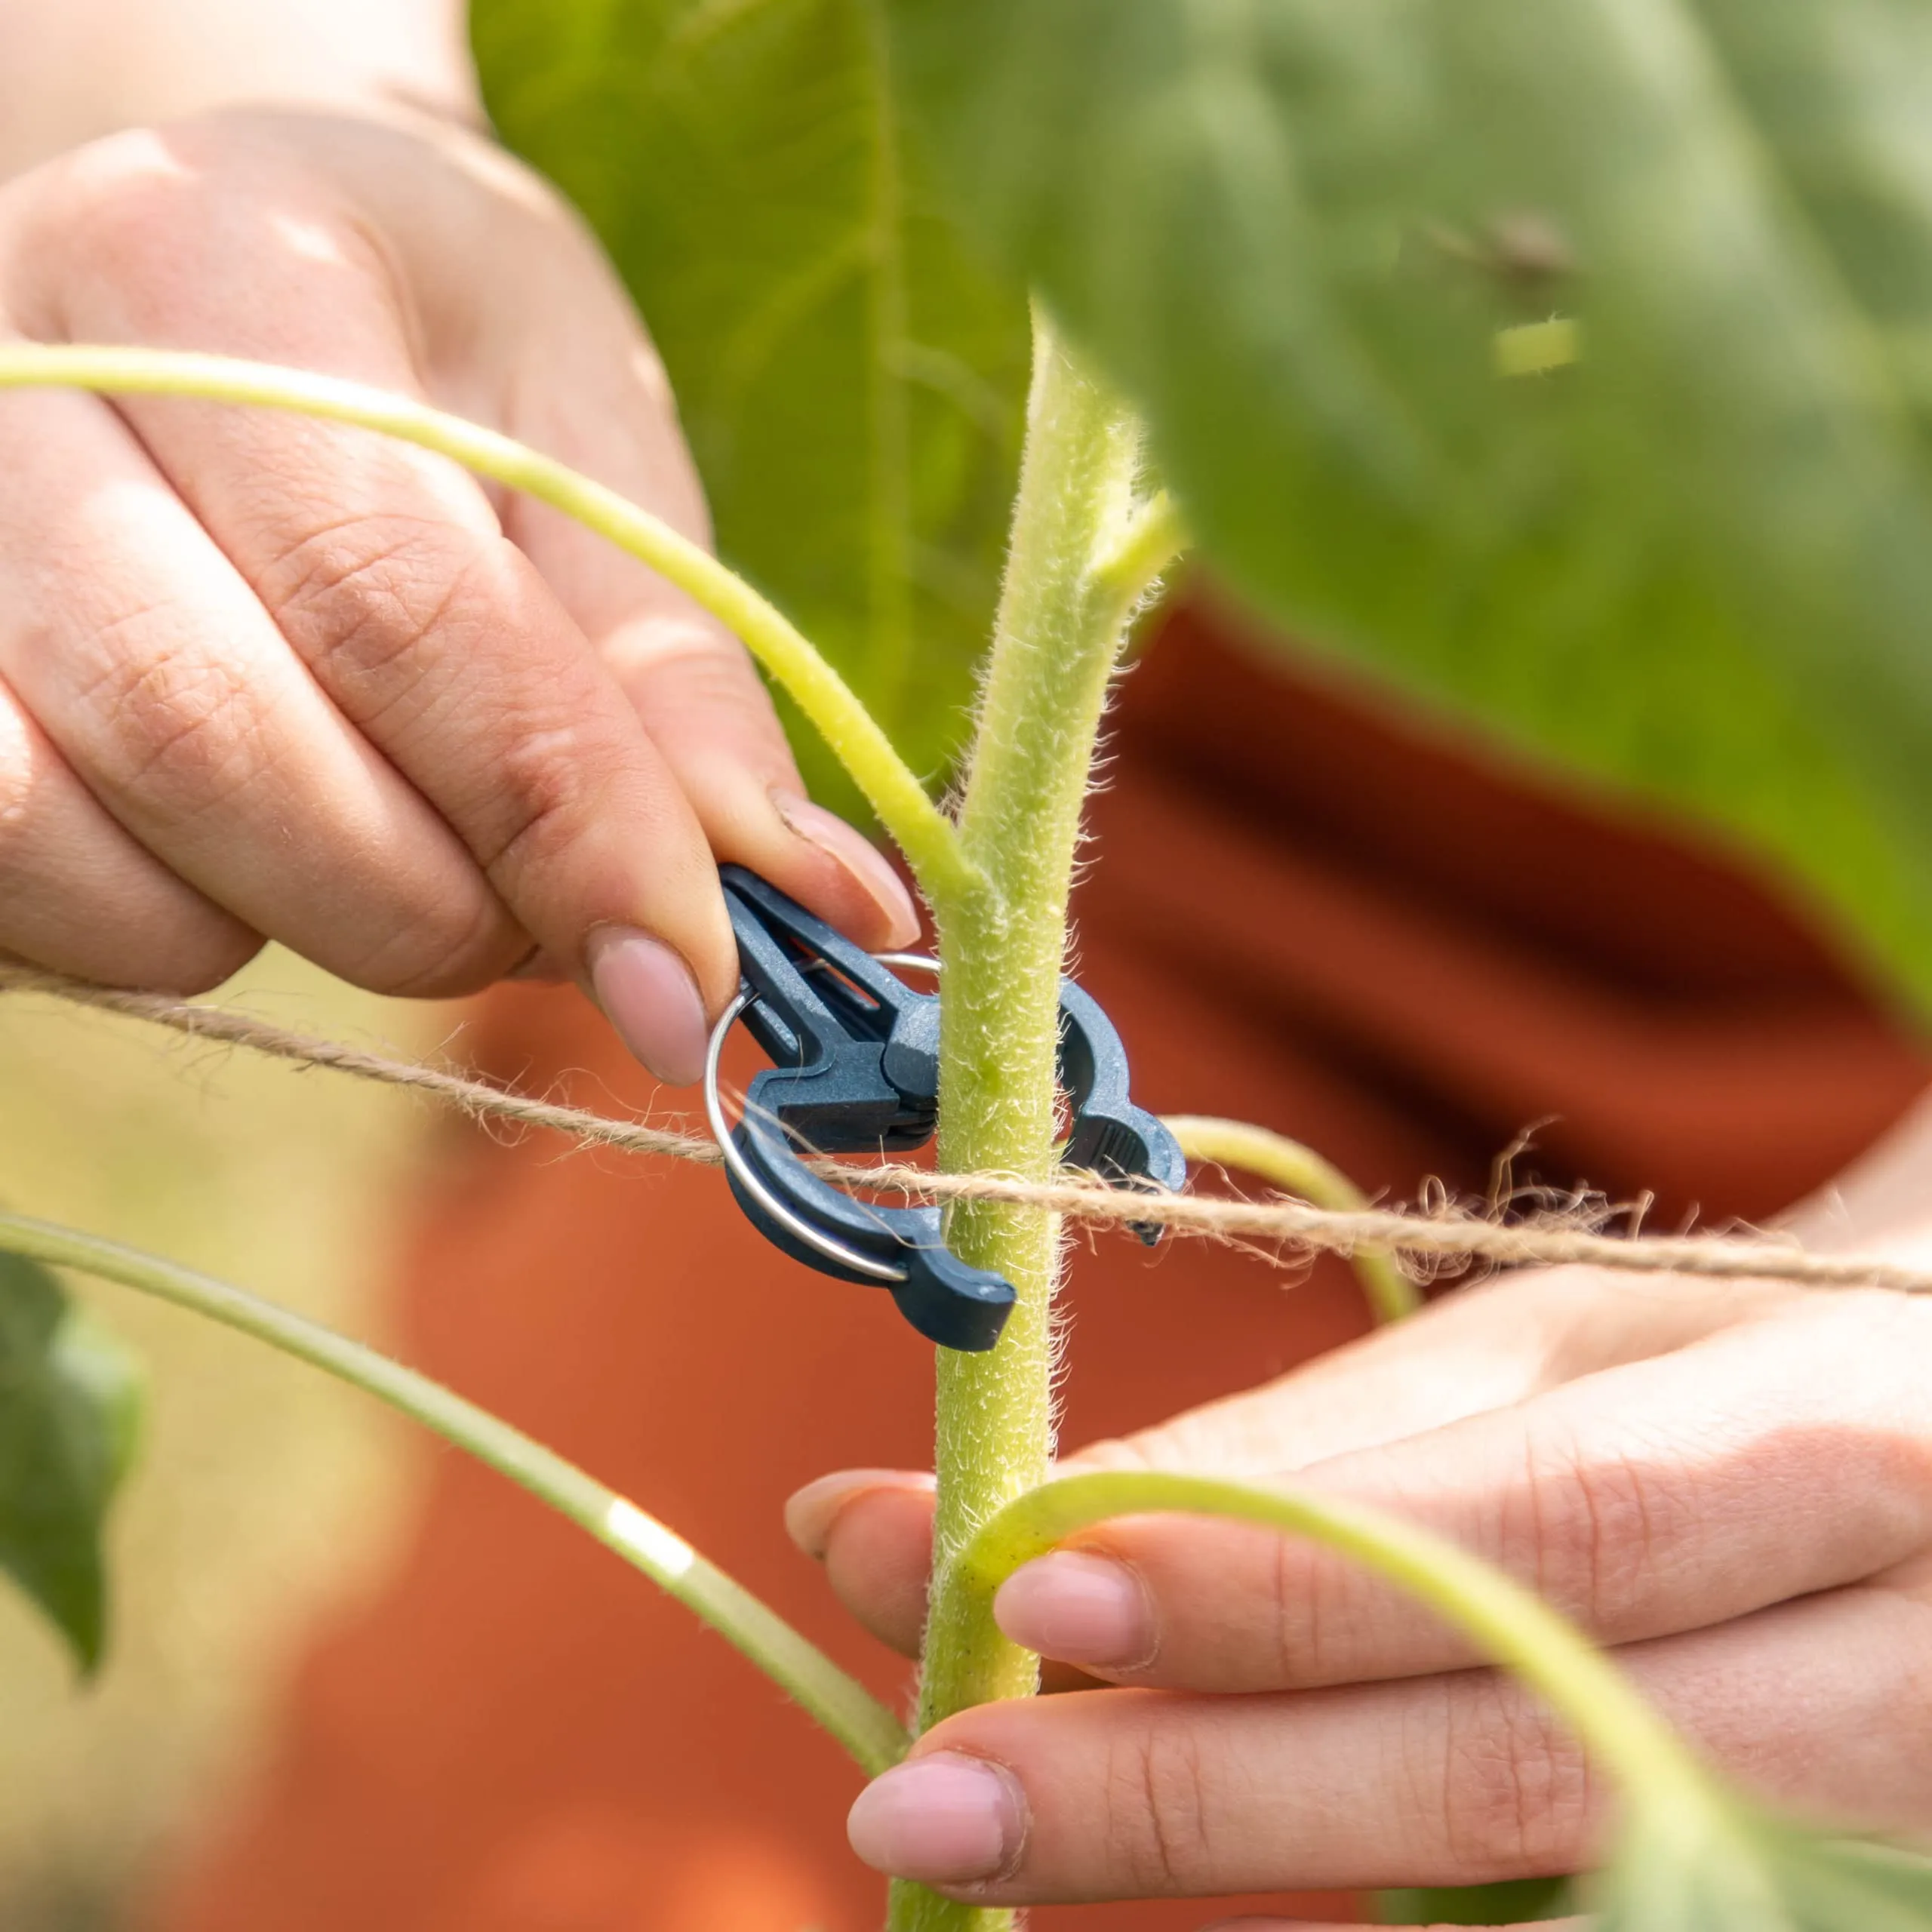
1444, 1236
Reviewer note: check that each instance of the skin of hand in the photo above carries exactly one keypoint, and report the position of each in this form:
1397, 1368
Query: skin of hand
263, 678
1730, 1485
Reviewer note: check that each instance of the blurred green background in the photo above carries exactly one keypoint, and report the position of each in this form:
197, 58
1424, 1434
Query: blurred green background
266, 1494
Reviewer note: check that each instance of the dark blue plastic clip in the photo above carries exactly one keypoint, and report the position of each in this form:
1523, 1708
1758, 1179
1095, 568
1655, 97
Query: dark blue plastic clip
856, 1059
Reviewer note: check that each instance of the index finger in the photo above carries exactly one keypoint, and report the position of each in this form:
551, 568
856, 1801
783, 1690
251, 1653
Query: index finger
690, 681
1479, 1349
1773, 1460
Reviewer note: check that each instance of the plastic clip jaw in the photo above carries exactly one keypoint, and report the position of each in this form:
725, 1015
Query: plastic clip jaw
825, 1011
829, 1015
1124, 1145
858, 1068
949, 1303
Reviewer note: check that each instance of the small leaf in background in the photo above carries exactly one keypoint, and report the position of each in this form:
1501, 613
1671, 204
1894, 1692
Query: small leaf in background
69, 1414
1687, 548
851, 377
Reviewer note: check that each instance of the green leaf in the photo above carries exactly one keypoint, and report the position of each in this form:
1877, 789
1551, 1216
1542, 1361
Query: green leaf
851, 380
1872, 1888
69, 1415
1692, 557
1742, 1869
1516, 1902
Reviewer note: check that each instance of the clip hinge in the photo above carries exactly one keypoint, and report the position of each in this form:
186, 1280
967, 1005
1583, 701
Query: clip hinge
856, 1054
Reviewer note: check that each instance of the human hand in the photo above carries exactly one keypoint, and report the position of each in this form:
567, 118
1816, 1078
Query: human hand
1729, 1485
263, 677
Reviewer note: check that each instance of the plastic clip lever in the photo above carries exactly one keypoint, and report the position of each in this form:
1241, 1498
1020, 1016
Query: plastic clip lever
1126, 1146
856, 1054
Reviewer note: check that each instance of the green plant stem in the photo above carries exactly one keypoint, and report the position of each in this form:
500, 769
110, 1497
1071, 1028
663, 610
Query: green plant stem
863, 1726
922, 831
1061, 624
1300, 1170
1505, 1621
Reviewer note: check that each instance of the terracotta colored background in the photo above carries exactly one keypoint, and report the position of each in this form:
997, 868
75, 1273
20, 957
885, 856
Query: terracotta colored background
1298, 916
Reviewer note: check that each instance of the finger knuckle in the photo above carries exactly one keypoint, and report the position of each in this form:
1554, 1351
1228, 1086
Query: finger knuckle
1516, 1791
132, 204
170, 940
547, 774
1157, 1811
1318, 1616
459, 945
191, 954
166, 941
170, 211
1602, 1524
362, 597
553, 778
127, 199
1853, 1327
176, 726
1872, 1340
711, 669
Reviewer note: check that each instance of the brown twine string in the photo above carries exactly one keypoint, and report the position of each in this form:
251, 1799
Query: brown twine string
1447, 1234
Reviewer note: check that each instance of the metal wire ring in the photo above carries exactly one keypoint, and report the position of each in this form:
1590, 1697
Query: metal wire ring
749, 1178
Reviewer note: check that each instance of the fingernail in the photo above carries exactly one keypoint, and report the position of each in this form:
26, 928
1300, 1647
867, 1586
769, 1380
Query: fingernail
1078, 1607
863, 863
811, 1512
649, 995
944, 1820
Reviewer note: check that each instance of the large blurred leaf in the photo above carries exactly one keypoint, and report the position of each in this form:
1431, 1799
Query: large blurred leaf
69, 1409
851, 382
1699, 562
1747, 1871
